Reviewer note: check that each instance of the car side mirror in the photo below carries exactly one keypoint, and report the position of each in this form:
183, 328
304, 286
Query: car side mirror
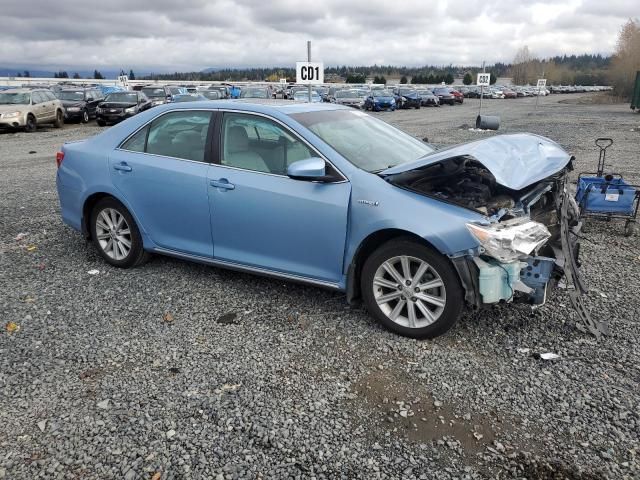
309, 169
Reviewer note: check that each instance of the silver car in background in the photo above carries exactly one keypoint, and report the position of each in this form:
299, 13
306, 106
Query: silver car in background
26, 108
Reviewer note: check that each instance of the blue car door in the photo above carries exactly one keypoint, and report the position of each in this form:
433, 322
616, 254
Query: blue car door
161, 171
262, 218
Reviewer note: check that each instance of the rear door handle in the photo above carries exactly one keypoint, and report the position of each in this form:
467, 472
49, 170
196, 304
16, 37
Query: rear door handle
222, 183
122, 166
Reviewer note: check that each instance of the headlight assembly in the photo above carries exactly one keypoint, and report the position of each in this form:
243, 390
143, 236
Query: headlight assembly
508, 241
130, 110
73, 109
11, 115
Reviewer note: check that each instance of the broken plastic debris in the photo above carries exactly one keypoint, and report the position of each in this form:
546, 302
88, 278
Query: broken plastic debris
549, 356
524, 350
31, 248
20, 236
12, 327
93, 272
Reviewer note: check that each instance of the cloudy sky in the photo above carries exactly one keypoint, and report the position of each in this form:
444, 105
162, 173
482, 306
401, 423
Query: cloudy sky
170, 35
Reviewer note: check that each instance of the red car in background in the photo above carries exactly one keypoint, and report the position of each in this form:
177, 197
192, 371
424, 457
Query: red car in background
508, 93
459, 97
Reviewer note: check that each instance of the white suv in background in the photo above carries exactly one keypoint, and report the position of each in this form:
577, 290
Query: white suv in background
27, 108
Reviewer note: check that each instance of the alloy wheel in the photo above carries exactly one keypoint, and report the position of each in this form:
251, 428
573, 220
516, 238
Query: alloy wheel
409, 291
113, 234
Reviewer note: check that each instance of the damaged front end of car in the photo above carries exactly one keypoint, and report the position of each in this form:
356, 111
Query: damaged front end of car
528, 240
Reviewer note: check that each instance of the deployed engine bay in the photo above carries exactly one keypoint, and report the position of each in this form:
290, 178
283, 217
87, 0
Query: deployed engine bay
466, 182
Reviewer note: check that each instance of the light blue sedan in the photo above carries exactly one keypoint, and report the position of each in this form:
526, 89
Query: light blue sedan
329, 196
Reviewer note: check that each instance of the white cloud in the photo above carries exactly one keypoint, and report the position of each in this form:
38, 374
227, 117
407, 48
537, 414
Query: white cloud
163, 35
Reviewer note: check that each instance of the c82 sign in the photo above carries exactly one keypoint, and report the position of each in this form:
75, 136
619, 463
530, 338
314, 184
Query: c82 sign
309, 73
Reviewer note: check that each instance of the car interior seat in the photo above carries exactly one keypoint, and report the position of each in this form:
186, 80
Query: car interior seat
237, 152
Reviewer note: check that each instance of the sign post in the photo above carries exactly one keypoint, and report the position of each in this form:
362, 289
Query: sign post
542, 83
309, 73
484, 80
124, 81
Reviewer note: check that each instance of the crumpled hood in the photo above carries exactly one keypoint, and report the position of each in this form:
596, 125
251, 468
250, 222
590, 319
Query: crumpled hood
515, 160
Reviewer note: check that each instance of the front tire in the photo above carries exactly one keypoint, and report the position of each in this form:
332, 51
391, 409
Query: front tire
85, 116
30, 126
59, 119
116, 235
101, 123
411, 289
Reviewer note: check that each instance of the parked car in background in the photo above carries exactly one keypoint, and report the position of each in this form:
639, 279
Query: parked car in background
80, 103
303, 96
118, 106
444, 95
331, 197
189, 97
256, 92
427, 98
407, 98
458, 96
508, 93
211, 94
351, 98
28, 108
162, 94
378, 100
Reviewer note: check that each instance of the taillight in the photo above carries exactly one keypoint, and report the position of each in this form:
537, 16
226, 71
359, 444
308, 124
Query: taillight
59, 158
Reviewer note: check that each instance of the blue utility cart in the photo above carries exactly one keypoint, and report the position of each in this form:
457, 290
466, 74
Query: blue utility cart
606, 195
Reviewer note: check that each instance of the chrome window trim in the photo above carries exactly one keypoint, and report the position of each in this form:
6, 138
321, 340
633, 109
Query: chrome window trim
288, 130
225, 110
247, 268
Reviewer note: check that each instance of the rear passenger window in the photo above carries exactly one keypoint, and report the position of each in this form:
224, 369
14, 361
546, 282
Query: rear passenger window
50, 96
137, 142
37, 97
180, 135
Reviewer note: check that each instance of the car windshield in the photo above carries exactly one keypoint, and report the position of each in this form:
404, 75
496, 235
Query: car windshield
15, 98
71, 95
153, 92
304, 95
254, 93
405, 91
122, 97
175, 90
189, 98
442, 91
382, 93
347, 94
365, 141
424, 92
212, 94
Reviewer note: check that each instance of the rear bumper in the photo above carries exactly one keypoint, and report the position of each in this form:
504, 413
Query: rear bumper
70, 204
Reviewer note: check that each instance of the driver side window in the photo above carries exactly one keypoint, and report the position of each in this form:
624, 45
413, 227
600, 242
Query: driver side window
256, 143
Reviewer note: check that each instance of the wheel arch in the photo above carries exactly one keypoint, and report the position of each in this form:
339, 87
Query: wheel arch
91, 202
369, 245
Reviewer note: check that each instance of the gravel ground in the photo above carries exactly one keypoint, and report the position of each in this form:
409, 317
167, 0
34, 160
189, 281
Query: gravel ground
177, 370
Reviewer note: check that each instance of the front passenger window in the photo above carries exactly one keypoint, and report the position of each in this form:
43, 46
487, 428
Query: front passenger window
256, 143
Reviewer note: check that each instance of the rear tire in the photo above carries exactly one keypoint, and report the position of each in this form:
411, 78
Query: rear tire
115, 234
411, 289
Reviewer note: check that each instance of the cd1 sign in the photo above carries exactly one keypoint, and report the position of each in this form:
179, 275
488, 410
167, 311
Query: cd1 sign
309, 73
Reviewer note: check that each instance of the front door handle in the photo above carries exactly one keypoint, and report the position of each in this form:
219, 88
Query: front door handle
222, 183
122, 166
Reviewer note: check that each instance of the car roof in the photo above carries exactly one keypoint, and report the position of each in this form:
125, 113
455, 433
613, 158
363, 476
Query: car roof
266, 106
